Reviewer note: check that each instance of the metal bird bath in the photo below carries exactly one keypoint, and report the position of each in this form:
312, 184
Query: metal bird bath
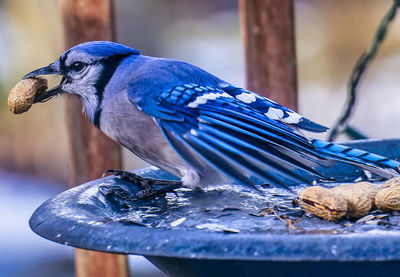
226, 230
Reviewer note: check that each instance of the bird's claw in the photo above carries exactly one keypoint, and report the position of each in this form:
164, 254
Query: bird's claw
108, 171
146, 186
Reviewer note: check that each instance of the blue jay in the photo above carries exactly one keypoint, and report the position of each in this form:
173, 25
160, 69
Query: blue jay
194, 125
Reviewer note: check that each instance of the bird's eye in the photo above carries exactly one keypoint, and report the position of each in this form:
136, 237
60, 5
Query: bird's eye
77, 66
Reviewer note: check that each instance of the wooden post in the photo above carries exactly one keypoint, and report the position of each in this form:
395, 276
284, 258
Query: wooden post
91, 152
269, 42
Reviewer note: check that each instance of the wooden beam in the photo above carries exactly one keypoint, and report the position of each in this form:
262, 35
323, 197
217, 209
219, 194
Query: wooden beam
91, 152
269, 41
93, 264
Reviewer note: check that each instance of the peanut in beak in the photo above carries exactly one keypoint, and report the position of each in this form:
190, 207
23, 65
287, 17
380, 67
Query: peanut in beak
21, 96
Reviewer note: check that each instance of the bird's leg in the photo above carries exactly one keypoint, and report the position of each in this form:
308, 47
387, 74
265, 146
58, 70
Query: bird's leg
146, 185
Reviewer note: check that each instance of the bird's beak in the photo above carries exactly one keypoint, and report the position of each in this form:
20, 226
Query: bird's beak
53, 68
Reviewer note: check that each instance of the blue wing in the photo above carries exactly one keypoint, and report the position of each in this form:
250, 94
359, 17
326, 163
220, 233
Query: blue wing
230, 135
272, 109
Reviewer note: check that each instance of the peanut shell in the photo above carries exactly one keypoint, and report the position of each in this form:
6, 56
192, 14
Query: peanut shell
21, 96
323, 203
391, 182
388, 199
360, 197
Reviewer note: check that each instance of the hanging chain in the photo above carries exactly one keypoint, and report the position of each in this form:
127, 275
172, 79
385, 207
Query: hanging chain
359, 69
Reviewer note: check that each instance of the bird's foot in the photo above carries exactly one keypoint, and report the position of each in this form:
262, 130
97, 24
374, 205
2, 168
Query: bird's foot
146, 186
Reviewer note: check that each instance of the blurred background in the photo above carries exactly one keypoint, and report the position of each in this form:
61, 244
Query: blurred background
330, 36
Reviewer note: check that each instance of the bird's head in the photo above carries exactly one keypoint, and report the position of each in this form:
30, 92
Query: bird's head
86, 70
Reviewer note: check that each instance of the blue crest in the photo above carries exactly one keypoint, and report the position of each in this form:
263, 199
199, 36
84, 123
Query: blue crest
104, 49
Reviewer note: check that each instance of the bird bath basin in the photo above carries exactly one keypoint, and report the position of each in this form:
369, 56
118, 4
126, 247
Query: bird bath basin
226, 230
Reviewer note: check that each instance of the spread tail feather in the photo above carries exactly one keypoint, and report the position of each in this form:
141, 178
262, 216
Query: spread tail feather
374, 163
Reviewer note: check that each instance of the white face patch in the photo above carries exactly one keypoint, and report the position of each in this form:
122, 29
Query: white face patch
202, 99
293, 118
89, 101
273, 113
246, 97
83, 85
